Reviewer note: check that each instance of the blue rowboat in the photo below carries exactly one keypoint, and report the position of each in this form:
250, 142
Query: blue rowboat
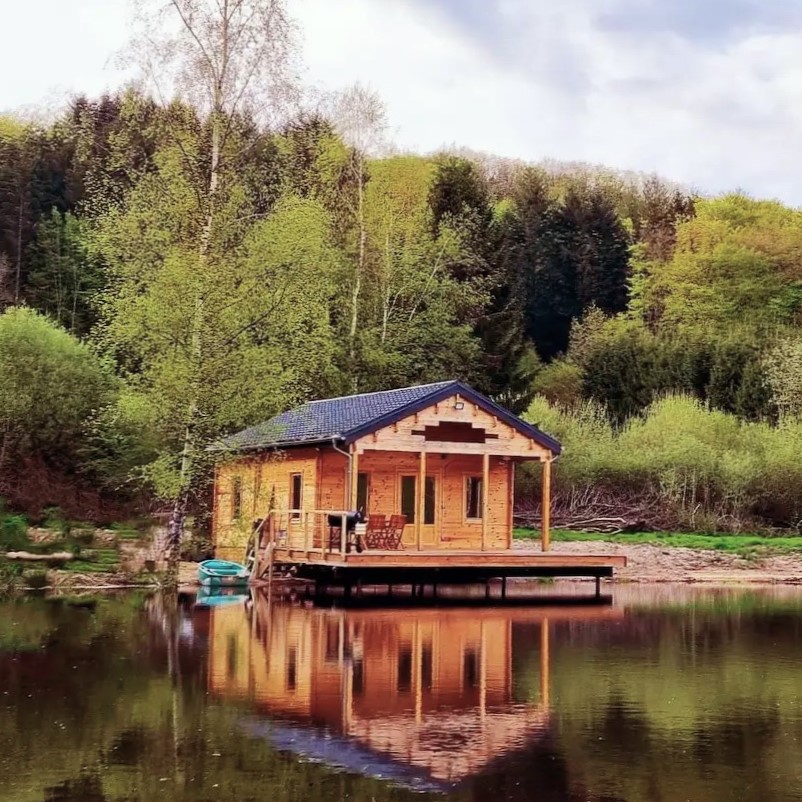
222, 573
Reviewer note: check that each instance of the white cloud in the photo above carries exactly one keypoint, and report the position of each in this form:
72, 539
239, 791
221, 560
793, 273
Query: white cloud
662, 90
52, 49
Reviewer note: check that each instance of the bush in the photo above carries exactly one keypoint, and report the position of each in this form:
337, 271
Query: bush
34, 579
702, 469
13, 533
559, 382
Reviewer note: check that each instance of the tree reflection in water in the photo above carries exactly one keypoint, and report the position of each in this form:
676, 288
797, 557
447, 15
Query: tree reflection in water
669, 694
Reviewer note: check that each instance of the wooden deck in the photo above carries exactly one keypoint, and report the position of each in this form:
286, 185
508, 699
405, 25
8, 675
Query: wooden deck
406, 567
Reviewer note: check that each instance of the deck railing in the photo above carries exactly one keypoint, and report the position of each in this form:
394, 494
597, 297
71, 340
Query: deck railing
307, 530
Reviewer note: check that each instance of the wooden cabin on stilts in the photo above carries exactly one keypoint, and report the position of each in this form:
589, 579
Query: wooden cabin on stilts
413, 486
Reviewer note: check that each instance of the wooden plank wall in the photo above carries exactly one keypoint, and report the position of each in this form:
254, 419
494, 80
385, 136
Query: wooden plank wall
261, 477
452, 530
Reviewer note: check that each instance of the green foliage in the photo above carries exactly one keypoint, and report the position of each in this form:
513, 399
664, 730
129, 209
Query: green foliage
313, 268
695, 467
13, 532
51, 385
737, 261
559, 382
62, 277
574, 255
216, 340
197, 548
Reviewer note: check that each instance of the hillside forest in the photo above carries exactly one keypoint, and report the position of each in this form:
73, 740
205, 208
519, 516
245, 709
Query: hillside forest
174, 270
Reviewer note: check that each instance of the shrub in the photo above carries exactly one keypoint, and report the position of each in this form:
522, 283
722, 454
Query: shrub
34, 578
703, 469
13, 533
559, 382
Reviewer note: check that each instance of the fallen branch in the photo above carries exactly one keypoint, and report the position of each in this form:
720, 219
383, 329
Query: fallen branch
59, 556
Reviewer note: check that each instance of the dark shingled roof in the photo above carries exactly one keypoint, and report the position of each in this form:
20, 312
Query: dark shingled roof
353, 416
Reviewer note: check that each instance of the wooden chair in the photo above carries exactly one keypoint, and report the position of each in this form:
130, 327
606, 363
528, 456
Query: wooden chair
376, 532
395, 532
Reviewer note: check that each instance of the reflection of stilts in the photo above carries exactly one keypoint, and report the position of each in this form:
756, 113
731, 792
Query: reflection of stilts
544, 664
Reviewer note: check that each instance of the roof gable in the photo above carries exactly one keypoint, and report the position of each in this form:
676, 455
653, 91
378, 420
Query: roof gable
350, 417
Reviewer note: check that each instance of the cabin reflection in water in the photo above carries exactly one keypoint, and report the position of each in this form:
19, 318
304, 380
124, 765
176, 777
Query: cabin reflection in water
429, 689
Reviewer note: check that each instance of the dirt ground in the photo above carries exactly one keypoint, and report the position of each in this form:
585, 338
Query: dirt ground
669, 564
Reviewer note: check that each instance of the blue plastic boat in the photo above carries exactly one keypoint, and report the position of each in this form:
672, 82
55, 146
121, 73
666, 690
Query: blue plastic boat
222, 573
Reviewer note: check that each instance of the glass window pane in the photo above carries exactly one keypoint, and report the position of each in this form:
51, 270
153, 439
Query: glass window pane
408, 498
362, 492
473, 497
429, 503
296, 494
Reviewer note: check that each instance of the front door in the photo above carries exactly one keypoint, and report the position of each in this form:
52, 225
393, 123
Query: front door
430, 526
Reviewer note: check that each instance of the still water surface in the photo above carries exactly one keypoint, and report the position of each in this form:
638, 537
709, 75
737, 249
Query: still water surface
663, 694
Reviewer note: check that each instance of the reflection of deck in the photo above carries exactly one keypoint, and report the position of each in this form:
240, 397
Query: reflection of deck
442, 565
424, 697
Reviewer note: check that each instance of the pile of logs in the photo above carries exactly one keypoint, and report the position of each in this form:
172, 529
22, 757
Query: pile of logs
599, 515
581, 523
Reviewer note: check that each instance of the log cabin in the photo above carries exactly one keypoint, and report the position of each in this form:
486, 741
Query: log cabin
430, 469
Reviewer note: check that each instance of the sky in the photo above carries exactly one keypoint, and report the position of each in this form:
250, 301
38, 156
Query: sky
707, 93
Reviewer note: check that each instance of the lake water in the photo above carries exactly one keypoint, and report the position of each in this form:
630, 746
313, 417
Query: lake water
662, 694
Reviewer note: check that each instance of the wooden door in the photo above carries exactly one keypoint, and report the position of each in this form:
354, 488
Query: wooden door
432, 509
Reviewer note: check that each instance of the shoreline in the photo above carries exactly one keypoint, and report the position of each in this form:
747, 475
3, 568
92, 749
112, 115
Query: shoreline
652, 564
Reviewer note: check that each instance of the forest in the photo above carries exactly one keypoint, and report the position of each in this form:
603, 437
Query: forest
175, 270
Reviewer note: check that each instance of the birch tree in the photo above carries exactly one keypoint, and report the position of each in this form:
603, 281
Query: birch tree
228, 59
359, 117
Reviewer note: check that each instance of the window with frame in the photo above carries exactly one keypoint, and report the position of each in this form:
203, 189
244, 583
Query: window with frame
473, 497
236, 498
296, 495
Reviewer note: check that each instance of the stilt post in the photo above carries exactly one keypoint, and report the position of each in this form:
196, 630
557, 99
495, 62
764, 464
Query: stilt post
545, 505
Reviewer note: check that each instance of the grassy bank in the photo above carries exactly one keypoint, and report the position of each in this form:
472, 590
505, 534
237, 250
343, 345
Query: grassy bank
88, 550
744, 545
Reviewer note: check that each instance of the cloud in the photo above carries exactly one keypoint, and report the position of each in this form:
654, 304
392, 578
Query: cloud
711, 21
705, 92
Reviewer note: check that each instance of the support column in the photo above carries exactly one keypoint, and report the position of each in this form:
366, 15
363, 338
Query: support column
545, 505
510, 502
420, 501
354, 480
485, 494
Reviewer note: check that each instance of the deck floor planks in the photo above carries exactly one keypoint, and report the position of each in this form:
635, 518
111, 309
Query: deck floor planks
448, 559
